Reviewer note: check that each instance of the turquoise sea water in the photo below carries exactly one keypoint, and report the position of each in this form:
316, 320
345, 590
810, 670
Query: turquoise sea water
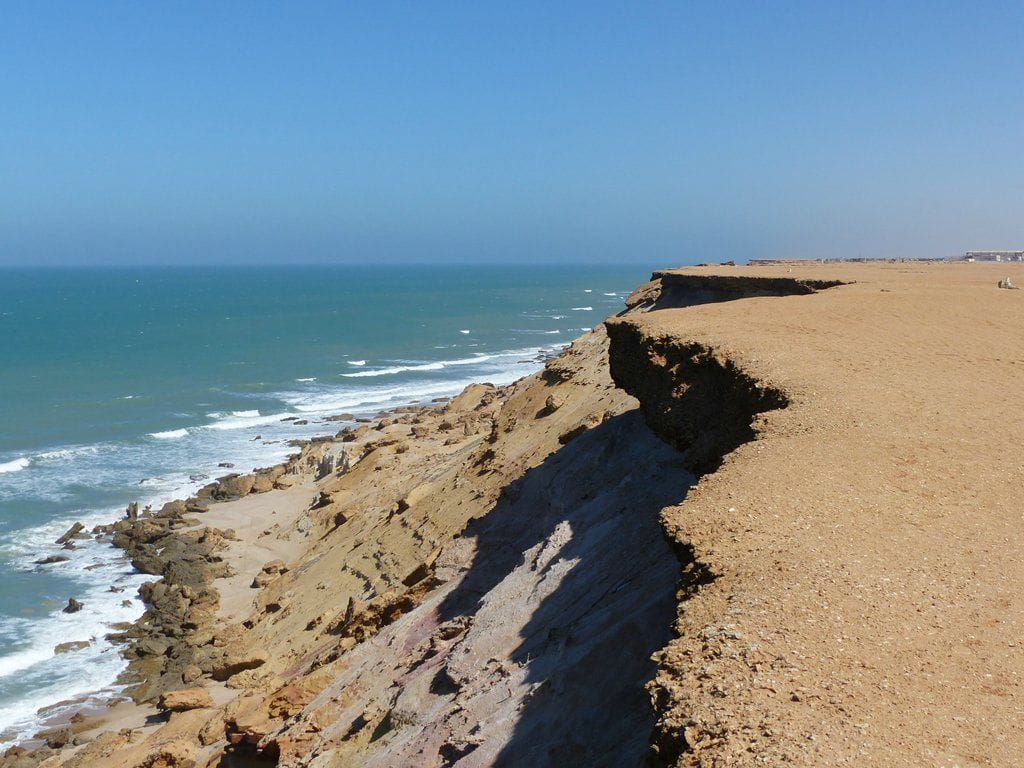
132, 384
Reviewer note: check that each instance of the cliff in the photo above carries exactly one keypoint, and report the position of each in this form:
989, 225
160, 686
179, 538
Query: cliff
757, 519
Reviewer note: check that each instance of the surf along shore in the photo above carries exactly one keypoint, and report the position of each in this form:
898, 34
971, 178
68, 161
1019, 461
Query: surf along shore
767, 515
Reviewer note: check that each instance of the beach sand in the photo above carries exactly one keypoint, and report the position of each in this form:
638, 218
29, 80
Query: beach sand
264, 529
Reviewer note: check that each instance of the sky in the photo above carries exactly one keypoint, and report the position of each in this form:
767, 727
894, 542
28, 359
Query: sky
668, 132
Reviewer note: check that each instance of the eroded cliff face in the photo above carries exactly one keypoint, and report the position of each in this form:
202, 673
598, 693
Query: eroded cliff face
528, 639
702, 403
484, 583
692, 396
673, 290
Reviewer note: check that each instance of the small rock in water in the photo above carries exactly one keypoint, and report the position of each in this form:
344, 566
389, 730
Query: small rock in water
71, 533
52, 559
226, 464
340, 417
73, 606
74, 645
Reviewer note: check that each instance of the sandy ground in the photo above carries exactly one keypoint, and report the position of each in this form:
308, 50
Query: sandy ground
264, 526
869, 594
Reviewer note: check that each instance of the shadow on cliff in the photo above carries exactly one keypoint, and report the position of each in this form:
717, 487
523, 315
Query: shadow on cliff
573, 552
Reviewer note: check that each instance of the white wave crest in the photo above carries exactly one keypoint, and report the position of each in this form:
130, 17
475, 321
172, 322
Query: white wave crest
170, 434
436, 365
241, 422
582, 309
357, 362
14, 466
61, 454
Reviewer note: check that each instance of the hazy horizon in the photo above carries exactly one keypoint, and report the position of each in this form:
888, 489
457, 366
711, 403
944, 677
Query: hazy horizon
611, 132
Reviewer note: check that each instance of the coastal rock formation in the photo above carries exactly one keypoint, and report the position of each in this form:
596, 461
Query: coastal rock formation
685, 541
185, 700
73, 606
71, 533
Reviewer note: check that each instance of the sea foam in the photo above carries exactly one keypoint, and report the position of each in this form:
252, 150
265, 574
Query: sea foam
14, 466
171, 434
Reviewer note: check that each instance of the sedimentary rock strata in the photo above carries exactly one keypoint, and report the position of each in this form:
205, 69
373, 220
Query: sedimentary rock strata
683, 542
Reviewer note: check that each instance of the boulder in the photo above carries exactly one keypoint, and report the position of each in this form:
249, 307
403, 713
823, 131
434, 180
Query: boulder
233, 486
551, 404
238, 661
73, 606
152, 646
262, 483
183, 701
58, 738
73, 645
470, 398
191, 673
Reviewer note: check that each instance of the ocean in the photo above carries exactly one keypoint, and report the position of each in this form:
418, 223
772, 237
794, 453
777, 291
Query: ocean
120, 384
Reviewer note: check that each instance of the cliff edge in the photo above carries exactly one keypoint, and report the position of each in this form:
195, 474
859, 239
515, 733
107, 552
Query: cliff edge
861, 583
765, 516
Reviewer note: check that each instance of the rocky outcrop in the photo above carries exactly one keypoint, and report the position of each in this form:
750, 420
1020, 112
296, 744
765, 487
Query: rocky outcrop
73, 532
174, 633
476, 575
73, 606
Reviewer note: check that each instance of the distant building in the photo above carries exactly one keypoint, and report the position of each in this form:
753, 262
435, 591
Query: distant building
994, 256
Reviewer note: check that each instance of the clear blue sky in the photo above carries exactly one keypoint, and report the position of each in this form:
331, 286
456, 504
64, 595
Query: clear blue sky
656, 132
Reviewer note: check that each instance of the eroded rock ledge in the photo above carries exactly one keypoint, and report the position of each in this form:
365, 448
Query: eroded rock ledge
693, 397
674, 289
703, 404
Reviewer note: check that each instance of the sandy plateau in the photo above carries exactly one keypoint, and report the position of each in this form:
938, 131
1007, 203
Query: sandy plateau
766, 516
